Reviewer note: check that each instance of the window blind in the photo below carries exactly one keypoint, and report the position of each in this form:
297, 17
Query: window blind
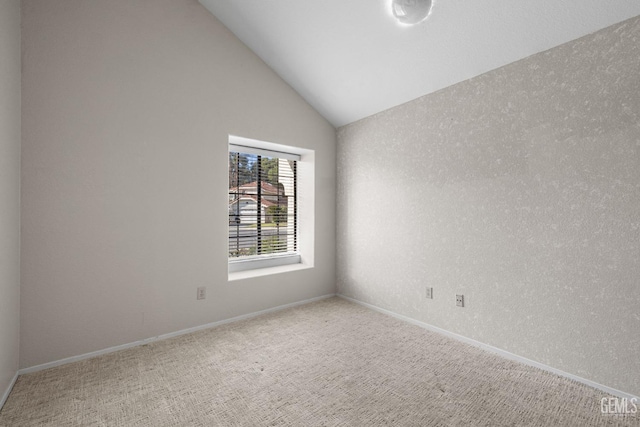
262, 203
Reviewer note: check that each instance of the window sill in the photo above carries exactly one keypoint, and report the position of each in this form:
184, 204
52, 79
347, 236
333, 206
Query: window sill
258, 272
259, 262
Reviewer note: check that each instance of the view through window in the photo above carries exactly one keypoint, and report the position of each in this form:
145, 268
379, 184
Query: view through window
262, 204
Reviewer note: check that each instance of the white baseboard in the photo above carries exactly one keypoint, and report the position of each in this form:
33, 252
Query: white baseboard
6, 393
495, 350
165, 336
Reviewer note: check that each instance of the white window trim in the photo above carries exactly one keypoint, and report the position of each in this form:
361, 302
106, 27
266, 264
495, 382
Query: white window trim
246, 149
251, 263
304, 256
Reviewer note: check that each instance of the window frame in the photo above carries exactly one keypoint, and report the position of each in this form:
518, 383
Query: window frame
250, 266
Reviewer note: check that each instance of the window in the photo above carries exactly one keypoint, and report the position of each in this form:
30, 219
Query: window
263, 207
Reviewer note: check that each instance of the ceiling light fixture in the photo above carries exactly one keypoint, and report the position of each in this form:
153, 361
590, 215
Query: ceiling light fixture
411, 12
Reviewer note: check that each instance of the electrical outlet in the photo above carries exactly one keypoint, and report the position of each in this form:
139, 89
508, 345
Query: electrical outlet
202, 292
429, 293
460, 300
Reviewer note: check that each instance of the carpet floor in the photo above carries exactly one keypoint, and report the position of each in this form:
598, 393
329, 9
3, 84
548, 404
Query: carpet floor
328, 363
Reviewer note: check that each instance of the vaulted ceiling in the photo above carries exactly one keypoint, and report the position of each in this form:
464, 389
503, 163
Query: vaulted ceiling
350, 59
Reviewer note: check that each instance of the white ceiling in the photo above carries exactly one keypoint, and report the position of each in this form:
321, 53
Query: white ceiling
350, 59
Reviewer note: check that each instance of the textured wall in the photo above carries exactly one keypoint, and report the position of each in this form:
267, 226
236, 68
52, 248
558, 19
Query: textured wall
519, 189
127, 107
9, 190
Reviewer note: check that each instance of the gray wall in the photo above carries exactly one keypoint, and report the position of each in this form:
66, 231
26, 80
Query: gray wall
9, 191
519, 189
126, 109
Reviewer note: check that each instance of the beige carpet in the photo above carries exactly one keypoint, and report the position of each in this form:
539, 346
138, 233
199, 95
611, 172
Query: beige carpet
330, 363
